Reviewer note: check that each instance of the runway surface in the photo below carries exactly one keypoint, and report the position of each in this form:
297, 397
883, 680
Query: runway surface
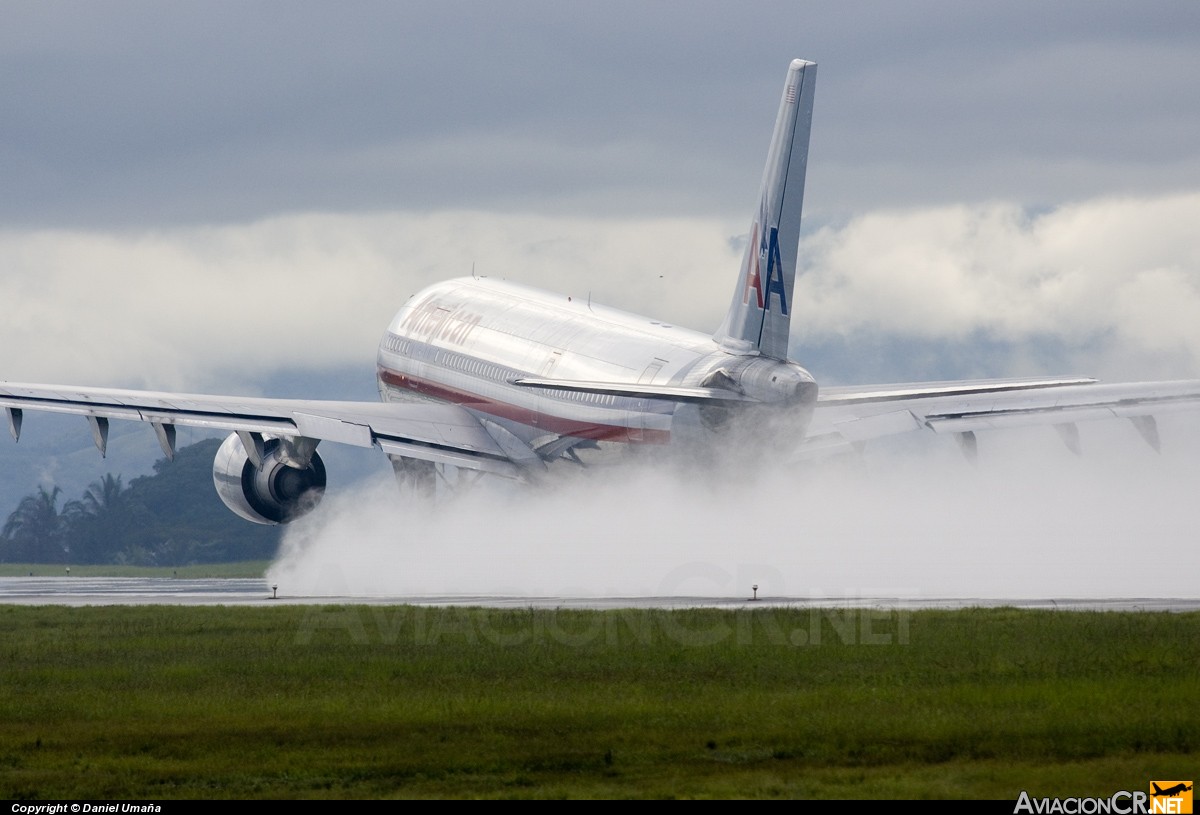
112, 591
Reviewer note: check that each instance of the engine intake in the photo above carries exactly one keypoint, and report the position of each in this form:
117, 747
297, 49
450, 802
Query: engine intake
275, 493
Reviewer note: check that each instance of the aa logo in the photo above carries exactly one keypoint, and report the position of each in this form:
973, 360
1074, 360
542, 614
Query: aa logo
1171, 797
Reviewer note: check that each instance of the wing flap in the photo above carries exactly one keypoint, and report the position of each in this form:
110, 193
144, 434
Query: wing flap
860, 414
456, 458
873, 427
862, 395
1015, 418
329, 428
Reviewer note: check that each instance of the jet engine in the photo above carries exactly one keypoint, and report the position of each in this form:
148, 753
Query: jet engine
287, 484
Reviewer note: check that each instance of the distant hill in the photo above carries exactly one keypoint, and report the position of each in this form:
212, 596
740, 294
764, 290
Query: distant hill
170, 518
58, 451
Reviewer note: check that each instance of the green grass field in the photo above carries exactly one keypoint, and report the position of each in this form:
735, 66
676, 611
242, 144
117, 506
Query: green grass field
248, 568
376, 702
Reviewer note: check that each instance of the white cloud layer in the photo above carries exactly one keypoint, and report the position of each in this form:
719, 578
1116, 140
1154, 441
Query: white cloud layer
1115, 280
194, 308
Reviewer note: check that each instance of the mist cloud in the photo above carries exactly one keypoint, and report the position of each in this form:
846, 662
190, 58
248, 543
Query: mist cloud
914, 521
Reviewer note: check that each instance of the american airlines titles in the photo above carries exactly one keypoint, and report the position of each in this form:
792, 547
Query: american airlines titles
430, 322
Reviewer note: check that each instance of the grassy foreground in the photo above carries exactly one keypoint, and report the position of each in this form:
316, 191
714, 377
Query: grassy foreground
246, 568
372, 702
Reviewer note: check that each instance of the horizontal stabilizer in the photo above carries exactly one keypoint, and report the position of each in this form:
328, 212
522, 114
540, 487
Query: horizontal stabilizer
674, 393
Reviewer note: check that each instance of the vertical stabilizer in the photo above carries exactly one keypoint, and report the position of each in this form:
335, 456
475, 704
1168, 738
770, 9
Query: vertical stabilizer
759, 318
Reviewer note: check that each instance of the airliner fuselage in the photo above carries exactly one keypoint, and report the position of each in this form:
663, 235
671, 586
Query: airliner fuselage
508, 352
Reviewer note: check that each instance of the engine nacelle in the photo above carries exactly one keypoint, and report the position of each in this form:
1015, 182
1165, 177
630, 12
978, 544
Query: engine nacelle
276, 492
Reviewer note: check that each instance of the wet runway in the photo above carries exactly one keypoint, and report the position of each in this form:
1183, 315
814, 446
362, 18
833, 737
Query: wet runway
109, 591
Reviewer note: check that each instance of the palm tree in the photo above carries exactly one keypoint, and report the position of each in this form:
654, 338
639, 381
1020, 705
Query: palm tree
102, 496
92, 524
34, 531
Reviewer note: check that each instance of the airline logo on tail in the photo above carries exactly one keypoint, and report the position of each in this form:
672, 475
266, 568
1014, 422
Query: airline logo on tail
768, 249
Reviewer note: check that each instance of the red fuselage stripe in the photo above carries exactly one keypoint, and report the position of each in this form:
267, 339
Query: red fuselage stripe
544, 421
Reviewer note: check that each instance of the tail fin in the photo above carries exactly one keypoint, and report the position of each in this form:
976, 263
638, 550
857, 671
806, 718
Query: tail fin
759, 318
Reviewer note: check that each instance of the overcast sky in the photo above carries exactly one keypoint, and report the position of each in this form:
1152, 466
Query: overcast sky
201, 194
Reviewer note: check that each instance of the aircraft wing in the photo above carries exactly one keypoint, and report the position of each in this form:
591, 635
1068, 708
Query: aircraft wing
449, 434
861, 413
446, 434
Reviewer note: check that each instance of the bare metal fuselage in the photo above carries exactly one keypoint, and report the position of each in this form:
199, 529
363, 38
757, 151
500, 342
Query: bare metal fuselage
470, 341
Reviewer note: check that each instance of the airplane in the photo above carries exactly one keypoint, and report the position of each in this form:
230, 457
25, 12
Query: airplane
493, 377
1170, 792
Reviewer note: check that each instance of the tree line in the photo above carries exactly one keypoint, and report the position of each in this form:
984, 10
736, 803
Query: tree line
170, 518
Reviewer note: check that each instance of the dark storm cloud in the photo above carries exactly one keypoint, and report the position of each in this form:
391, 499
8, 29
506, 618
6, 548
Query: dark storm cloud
135, 114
